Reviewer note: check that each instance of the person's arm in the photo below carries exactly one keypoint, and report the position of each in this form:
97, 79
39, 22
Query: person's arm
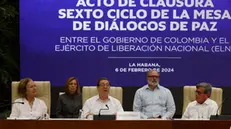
185, 116
137, 104
171, 108
15, 111
59, 108
86, 110
80, 107
214, 109
119, 107
81, 102
44, 110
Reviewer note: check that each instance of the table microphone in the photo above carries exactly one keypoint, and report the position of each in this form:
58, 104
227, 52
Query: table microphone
11, 104
103, 109
220, 106
42, 117
107, 106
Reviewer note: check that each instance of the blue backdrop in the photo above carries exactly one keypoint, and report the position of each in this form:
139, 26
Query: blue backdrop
46, 53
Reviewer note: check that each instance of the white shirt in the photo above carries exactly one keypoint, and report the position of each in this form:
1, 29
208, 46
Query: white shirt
198, 111
25, 111
94, 104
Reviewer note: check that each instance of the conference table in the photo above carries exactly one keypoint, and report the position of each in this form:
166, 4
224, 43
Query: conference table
114, 124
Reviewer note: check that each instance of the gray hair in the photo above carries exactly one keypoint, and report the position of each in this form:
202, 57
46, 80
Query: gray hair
151, 71
207, 87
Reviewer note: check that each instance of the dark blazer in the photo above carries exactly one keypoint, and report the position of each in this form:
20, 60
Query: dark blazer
68, 106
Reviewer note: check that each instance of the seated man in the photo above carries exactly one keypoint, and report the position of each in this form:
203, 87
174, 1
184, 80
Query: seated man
103, 101
153, 100
202, 107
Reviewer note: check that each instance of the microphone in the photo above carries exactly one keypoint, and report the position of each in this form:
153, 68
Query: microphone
42, 117
107, 106
11, 104
103, 109
220, 106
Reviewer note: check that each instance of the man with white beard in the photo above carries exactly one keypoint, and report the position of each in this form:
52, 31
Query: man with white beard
153, 100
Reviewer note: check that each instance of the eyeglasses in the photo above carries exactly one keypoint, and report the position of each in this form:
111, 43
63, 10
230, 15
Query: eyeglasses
104, 84
198, 92
154, 76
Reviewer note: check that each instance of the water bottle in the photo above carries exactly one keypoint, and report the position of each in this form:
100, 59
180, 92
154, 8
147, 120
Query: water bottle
80, 114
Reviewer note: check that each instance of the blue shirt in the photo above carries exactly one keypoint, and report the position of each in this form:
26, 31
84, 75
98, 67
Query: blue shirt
154, 103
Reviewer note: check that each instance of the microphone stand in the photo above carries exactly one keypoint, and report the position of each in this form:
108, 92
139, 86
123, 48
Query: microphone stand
103, 109
220, 107
10, 104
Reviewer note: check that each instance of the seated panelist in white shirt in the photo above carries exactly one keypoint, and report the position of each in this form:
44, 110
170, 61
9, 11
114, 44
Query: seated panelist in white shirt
109, 104
28, 106
203, 107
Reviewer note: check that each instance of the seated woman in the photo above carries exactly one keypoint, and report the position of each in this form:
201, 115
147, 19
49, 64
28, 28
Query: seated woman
28, 106
70, 103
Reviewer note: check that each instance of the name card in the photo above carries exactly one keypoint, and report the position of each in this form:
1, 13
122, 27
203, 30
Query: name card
128, 116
